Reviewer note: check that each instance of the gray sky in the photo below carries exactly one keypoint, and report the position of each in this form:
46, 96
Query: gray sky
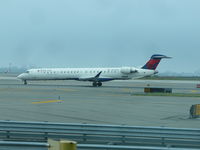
100, 33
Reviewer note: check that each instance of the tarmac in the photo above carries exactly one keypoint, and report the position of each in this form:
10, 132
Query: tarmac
113, 103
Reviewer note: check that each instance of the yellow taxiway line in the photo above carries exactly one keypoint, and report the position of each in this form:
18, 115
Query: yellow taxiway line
194, 91
50, 101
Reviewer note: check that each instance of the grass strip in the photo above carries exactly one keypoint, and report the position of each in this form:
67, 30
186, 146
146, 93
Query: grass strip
167, 94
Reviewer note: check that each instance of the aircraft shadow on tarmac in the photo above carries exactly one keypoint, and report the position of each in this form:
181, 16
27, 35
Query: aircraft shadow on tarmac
70, 85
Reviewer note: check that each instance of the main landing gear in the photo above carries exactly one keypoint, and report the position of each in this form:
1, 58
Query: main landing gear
95, 84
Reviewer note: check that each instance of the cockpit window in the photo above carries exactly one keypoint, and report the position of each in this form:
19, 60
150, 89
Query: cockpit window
27, 71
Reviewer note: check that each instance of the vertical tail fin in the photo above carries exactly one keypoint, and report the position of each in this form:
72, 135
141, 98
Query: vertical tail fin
154, 61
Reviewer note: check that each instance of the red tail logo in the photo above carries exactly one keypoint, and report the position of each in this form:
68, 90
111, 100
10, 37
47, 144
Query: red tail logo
154, 61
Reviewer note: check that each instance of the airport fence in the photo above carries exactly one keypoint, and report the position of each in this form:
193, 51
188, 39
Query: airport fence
108, 135
7, 145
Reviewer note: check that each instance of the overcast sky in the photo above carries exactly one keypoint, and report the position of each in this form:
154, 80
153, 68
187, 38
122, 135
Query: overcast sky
100, 33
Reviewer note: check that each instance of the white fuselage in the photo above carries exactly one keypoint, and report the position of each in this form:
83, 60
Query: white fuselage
95, 75
86, 74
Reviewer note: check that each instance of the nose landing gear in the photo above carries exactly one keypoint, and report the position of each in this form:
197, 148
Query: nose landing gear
25, 82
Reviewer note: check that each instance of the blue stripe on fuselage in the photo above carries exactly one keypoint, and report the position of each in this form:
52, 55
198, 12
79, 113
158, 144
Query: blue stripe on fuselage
105, 79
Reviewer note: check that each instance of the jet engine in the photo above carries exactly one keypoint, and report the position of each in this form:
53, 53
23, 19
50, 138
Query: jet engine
127, 70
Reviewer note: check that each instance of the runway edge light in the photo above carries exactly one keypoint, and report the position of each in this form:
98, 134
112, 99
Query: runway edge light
195, 111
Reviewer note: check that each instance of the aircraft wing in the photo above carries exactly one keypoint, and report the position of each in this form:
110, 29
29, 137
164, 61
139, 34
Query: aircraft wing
90, 78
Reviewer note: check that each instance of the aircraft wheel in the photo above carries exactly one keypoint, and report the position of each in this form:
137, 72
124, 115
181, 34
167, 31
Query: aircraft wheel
25, 82
99, 84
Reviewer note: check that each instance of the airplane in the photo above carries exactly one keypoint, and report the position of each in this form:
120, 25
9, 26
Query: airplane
94, 75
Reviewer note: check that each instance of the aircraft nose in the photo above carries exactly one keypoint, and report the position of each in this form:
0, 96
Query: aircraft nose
21, 76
